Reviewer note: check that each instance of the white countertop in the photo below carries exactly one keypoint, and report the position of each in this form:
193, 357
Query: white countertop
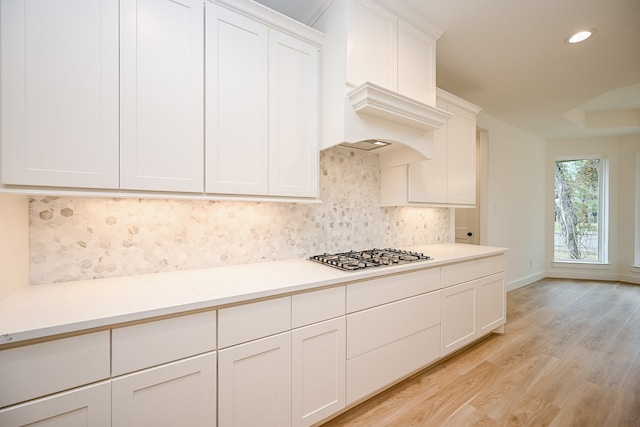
45, 310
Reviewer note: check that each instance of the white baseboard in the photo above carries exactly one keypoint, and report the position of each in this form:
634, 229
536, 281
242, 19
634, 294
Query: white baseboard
573, 274
583, 275
525, 281
629, 278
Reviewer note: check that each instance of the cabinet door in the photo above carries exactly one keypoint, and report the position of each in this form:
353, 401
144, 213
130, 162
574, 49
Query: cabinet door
237, 103
458, 316
254, 387
59, 92
318, 371
428, 178
416, 64
461, 157
491, 303
161, 95
83, 407
372, 52
177, 394
293, 117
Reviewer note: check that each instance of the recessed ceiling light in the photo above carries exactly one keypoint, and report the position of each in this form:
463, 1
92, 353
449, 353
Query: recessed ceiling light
580, 36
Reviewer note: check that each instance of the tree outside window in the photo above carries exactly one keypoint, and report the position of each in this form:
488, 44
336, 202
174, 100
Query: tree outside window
578, 211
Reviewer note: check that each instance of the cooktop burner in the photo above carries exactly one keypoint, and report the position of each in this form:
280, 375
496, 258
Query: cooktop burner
356, 260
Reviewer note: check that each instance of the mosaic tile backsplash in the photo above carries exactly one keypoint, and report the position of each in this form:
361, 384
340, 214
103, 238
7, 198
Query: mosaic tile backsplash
87, 238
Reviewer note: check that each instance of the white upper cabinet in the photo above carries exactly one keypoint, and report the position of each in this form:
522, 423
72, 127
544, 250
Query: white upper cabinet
416, 63
59, 92
449, 177
261, 103
109, 95
372, 52
461, 156
386, 50
293, 116
237, 102
161, 90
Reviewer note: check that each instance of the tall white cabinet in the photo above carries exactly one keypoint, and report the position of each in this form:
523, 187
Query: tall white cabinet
161, 95
59, 85
262, 98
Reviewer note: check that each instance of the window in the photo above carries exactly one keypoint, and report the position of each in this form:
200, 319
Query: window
581, 210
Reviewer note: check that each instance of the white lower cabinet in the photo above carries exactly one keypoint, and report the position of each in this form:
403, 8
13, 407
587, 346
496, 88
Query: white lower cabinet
179, 393
318, 371
88, 406
471, 310
389, 342
492, 303
294, 360
376, 370
458, 316
254, 383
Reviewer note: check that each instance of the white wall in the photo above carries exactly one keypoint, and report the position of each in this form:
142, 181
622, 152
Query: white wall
14, 243
621, 153
513, 203
628, 191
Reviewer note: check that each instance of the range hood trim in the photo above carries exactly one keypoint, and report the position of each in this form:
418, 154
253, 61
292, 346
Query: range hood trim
369, 98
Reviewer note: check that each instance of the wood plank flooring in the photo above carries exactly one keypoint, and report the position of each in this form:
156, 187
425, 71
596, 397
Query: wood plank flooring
569, 357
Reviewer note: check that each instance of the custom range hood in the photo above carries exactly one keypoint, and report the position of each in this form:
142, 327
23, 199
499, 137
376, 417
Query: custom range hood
377, 80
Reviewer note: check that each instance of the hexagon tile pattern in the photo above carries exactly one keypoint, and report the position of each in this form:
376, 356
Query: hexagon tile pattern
86, 238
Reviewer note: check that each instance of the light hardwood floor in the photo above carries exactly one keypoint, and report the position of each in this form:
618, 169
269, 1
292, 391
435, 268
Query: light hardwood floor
569, 357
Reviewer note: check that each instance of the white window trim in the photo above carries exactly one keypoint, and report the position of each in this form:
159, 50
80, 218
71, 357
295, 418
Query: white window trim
582, 264
603, 215
636, 264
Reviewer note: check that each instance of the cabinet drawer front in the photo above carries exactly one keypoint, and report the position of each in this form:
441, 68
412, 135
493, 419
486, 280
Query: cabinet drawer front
459, 273
373, 371
313, 307
39, 369
492, 265
252, 321
150, 344
370, 329
375, 292
90, 405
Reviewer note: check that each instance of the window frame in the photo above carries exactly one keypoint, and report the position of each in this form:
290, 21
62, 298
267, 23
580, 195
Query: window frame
603, 212
636, 262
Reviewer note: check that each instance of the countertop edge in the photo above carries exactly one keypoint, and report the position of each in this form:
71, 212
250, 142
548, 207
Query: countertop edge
24, 304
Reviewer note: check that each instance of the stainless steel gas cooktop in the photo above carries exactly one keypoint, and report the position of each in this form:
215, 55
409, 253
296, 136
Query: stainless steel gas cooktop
356, 260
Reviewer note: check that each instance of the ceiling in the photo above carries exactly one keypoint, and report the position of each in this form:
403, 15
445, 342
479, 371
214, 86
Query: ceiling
509, 57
